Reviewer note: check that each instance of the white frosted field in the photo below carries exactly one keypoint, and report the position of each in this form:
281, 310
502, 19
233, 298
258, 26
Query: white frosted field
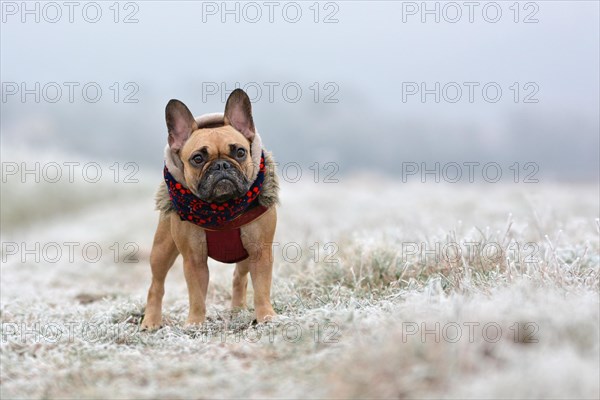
365, 316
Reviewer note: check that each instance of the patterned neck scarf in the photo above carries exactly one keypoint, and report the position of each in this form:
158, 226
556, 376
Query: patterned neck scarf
212, 215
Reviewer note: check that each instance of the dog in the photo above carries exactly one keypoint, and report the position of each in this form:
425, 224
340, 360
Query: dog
218, 199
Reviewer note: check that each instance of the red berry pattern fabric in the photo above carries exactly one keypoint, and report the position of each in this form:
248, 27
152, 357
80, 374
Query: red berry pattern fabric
212, 215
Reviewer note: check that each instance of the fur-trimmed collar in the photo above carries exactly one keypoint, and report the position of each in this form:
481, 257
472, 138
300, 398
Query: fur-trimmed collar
208, 215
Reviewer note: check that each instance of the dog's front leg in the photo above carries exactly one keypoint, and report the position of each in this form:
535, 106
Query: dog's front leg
258, 240
191, 242
164, 252
261, 273
196, 276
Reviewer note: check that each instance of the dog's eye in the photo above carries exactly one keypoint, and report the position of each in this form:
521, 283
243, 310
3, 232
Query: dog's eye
197, 159
240, 153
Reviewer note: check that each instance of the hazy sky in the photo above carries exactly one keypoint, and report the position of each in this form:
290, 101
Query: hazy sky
367, 61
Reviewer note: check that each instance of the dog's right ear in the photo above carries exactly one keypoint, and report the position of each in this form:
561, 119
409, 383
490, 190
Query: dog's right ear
180, 123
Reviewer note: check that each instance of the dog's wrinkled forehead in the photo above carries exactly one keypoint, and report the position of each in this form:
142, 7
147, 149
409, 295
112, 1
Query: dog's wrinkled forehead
215, 136
215, 142
227, 136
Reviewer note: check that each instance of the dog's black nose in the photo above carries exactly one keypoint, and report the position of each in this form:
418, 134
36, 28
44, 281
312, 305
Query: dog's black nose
220, 165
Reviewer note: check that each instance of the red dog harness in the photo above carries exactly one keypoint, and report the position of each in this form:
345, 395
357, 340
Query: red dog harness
221, 221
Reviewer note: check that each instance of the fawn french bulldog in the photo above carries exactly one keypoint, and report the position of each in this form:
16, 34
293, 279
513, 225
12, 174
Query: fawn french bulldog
218, 200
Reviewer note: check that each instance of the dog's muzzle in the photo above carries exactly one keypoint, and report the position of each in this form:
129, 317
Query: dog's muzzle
222, 182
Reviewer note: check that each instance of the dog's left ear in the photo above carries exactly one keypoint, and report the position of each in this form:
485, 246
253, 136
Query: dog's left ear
238, 113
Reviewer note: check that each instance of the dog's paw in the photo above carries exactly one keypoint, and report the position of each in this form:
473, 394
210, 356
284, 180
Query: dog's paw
266, 314
193, 324
149, 326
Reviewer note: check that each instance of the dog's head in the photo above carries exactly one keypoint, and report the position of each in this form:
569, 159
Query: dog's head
215, 159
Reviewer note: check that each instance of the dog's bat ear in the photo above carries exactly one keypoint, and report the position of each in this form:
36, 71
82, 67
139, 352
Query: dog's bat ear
238, 113
180, 124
